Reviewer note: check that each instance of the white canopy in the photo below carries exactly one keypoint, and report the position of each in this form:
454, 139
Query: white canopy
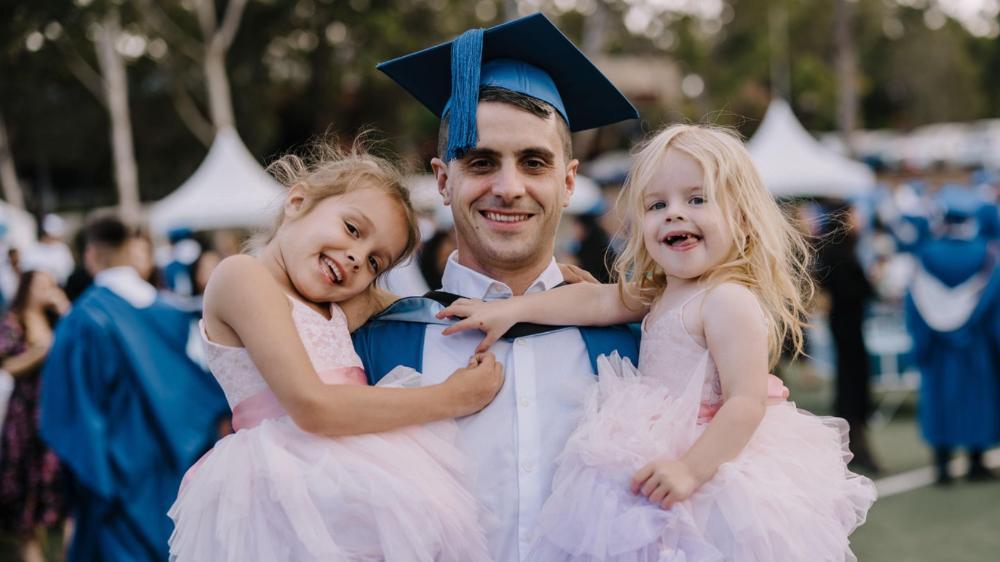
229, 190
20, 226
793, 163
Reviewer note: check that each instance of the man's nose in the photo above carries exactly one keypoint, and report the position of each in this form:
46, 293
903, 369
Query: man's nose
507, 184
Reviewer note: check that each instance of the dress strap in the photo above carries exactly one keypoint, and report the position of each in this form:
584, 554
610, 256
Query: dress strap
697, 294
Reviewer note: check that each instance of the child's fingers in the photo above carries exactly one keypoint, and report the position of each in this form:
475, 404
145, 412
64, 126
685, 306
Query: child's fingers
649, 486
487, 342
461, 325
487, 360
669, 500
659, 493
640, 477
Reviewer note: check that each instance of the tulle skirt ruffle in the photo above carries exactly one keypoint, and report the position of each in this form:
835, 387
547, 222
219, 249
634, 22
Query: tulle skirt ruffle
274, 492
788, 497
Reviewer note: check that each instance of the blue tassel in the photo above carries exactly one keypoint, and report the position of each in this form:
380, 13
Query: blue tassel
466, 60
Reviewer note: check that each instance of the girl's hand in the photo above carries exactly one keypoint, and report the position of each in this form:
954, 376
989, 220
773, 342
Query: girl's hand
492, 318
665, 482
474, 387
576, 274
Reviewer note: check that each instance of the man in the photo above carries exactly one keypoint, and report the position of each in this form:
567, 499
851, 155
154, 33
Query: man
505, 168
123, 406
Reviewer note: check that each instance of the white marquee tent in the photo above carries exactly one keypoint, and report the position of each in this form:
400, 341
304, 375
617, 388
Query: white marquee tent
793, 163
229, 189
19, 227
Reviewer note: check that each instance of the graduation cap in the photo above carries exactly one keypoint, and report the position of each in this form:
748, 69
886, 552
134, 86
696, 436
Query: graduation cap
528, 55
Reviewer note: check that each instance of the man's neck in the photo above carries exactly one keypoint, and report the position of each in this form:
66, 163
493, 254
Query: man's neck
519, 279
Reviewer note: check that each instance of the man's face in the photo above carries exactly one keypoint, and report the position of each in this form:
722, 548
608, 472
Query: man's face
508, 193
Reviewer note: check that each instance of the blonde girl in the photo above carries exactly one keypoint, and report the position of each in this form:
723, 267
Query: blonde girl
322, 466
698, 458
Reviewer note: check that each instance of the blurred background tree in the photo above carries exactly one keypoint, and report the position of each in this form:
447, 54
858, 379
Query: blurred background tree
300, 68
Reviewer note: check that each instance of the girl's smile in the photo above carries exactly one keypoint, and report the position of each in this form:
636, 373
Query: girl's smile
682, 229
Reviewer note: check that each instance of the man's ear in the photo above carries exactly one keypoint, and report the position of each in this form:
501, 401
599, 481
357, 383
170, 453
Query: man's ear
441, 175
571, 170
295, 201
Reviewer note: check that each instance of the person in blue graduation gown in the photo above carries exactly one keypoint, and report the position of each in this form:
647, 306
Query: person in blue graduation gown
124, 407
953, 315
506, 169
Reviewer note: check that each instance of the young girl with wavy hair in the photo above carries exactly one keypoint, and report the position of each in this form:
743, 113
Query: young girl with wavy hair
323, 466
695, 455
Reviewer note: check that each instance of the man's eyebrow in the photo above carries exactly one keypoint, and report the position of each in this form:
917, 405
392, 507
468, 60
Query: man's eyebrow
480, 153
538, 151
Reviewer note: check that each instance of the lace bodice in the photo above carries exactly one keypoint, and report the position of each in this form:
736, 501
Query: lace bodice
328, 343
669, 355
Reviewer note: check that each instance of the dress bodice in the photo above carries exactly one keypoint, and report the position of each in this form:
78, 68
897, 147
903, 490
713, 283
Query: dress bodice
328, 343
670, 356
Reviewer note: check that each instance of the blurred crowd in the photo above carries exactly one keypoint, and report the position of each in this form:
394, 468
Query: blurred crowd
910, 260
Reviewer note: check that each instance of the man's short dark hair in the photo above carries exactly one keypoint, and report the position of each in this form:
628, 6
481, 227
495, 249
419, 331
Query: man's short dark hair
108, 232
532, 105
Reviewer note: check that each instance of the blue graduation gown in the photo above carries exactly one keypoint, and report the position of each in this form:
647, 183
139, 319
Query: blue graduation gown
396, 337
960, 369
128, 412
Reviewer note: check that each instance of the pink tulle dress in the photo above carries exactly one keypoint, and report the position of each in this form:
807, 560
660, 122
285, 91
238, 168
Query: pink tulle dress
787, 497
272, 492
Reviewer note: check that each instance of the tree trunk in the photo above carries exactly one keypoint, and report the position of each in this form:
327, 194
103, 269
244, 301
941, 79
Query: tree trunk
847, 94
220, 101
595, 30
510, 11
777, 20
8, 173
116, 93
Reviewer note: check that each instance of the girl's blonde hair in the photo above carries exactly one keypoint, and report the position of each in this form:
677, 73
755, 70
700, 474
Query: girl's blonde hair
770, 257
327, 171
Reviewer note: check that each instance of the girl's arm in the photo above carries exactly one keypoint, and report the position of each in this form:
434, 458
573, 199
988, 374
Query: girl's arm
244, 302
26, 361
581, 304
737, 340
38, 336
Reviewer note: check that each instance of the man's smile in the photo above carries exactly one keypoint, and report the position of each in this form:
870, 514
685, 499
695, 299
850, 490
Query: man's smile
505, 218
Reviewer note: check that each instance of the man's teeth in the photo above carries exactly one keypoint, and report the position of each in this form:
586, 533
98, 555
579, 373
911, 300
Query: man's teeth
334, 270
506, 218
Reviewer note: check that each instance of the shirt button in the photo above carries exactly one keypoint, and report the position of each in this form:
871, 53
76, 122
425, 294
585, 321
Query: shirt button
527, 467
520, 343
524, 402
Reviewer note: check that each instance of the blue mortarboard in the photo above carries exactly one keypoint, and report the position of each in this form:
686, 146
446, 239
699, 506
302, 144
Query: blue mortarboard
958, 202
527, 55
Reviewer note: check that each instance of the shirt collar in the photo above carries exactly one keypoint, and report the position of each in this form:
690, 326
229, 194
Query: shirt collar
125, 282
468, 283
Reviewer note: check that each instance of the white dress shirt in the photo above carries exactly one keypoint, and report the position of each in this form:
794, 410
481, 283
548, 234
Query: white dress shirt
125, 282
513, 442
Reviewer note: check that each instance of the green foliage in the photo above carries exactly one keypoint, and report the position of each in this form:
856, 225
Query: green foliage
300, 68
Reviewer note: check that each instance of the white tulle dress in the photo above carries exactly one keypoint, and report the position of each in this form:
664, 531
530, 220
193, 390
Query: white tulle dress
272, 492
788, 497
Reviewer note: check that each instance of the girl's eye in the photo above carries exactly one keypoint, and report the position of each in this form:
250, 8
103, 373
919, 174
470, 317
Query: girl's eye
353, 230
657, 206
373, 263
697, 200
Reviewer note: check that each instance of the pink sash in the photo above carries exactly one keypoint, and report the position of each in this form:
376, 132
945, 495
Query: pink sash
777, 393
264, 405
